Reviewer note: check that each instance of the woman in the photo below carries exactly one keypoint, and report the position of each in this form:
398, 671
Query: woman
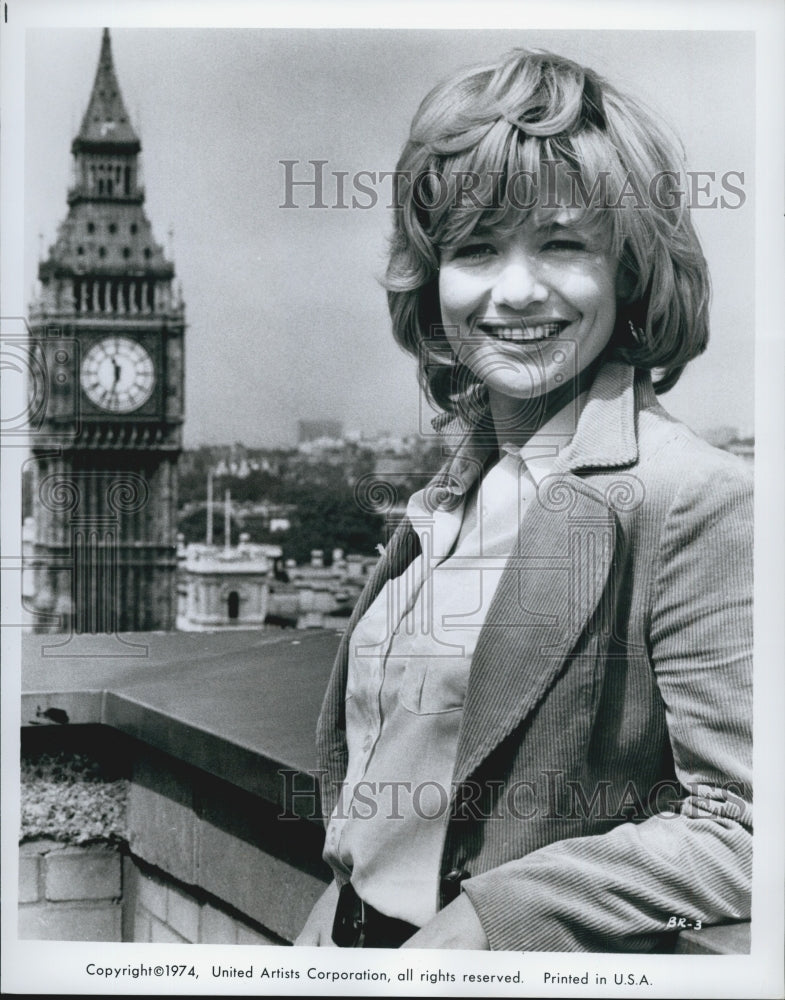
536, 735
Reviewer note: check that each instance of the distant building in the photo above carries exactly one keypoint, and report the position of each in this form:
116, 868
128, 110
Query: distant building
28, 572
727, 438
108, 332
224, 587
319, 596
720, 437
313, 430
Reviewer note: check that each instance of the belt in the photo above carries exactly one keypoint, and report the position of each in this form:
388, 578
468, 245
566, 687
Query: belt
358, 925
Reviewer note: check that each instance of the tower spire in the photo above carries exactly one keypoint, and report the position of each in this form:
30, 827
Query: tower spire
106, 125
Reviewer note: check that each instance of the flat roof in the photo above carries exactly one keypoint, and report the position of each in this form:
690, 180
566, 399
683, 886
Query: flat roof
238, 704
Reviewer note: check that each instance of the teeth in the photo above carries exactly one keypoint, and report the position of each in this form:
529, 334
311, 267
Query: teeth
521, 334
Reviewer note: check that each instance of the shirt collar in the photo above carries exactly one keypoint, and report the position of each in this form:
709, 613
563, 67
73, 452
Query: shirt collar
477, 445
540, 452
605, 437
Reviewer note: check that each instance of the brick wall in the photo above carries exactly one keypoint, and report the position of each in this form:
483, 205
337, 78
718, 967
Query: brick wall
69, 893
223, 845
160, 910
98, 893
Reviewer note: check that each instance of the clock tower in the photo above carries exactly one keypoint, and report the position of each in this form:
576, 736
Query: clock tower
107, 336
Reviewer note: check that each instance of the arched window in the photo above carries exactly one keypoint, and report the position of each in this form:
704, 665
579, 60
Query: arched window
233, 603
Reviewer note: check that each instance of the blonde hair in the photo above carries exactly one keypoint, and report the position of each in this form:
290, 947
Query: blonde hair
481, 146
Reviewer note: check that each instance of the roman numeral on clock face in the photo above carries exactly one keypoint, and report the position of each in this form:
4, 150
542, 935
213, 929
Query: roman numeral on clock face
118, 374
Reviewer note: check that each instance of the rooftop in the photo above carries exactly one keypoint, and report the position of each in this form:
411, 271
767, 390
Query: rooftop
239, 705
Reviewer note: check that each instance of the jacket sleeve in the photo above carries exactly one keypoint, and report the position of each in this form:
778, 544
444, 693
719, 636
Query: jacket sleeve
616, 891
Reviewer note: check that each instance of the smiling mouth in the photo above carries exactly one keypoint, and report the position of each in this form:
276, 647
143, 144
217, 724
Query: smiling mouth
522, 334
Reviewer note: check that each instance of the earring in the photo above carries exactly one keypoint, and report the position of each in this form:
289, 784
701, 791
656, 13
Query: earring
636, 333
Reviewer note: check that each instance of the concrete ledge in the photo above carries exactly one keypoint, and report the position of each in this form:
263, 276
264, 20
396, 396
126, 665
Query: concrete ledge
203, 724
240, 706
229, 843
62, 708
156, 909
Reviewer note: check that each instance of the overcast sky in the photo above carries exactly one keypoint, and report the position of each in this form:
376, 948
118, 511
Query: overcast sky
286, 317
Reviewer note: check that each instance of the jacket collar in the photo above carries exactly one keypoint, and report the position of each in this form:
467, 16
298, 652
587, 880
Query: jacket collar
605, 437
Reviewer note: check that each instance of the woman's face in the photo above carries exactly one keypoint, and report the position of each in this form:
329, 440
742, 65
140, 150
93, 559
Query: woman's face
528, 311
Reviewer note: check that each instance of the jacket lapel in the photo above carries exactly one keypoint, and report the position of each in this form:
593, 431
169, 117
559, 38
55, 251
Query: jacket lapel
548, 592
553, 583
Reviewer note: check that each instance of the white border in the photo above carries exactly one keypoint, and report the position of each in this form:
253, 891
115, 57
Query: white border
41, 967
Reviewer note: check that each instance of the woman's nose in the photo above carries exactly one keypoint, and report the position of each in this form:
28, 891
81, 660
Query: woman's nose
517, 283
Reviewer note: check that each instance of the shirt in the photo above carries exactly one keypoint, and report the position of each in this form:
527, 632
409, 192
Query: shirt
409, 662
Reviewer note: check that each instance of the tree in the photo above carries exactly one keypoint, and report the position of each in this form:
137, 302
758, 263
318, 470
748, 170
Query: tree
327, 518
193, 526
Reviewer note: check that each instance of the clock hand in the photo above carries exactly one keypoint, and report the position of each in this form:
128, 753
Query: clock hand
117, 370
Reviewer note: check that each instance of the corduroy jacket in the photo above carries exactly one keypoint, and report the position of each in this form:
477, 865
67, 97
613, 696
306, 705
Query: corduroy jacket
602, 783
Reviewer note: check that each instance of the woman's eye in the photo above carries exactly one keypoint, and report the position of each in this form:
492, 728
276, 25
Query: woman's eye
474, 251
573, 245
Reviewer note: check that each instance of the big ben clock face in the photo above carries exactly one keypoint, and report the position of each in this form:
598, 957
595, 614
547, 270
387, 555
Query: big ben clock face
118, 374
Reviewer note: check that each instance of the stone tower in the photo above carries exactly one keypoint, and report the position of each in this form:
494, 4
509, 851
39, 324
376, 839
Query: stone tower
107, 331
